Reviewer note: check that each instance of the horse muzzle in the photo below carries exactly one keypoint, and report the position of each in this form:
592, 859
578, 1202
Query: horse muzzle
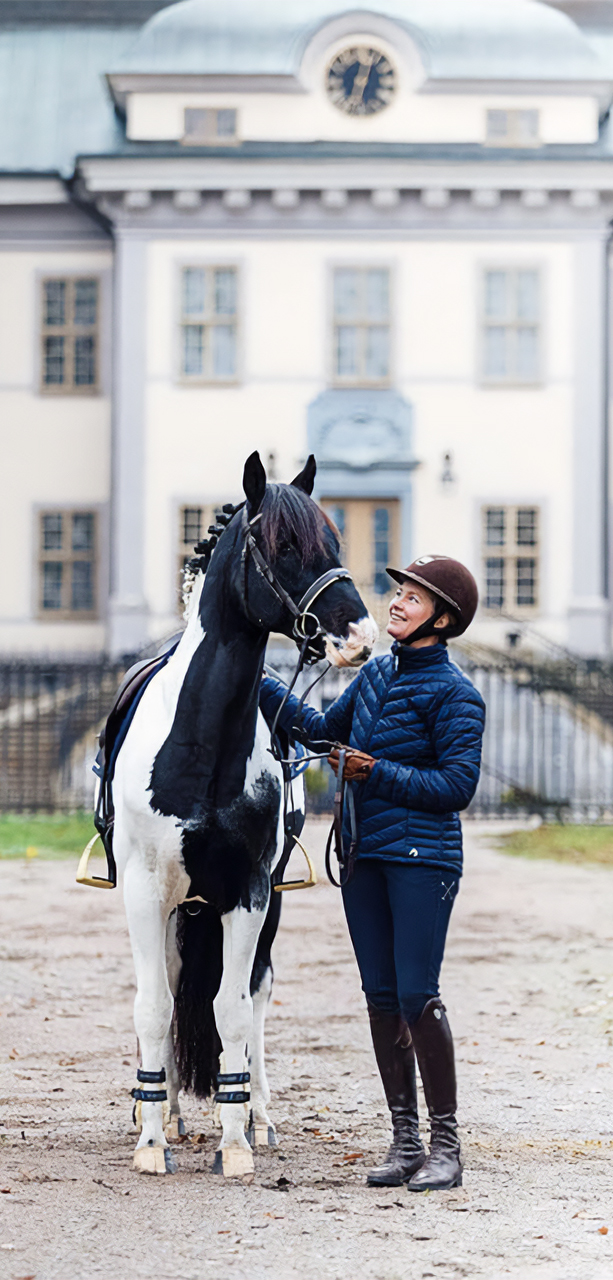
356, 647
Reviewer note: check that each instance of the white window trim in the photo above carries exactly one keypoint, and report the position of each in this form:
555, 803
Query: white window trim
207, 264
360, 383
487, 381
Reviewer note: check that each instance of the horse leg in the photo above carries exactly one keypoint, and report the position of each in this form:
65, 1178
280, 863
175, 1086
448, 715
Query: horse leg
152, 1010
234, 1018
262, 1130
175, 1129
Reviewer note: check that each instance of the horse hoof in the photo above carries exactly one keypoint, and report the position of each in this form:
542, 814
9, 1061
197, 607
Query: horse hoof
234, 1162
175, 1131
261, 1134
150, 1160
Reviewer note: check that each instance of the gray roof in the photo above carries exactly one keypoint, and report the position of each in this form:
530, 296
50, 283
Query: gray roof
114, 13
55, 102
458, 39
54, 99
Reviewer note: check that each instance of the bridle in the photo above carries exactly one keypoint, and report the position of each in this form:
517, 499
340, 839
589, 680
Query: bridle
307, 629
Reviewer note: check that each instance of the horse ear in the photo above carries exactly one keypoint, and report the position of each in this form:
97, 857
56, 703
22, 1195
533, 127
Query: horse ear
306, 478
254, 483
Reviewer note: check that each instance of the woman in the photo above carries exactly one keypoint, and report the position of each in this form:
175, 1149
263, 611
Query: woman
414, 725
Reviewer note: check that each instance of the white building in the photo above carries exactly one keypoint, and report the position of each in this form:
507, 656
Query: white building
374, 229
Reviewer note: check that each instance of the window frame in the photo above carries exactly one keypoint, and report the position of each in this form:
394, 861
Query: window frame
511, 381
183, 551
511, 552
69, 557
212, 139
203, 379
512, 138
371, 384
70, 330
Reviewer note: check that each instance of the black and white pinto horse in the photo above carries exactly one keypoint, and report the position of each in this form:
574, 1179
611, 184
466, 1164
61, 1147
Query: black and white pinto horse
199, 815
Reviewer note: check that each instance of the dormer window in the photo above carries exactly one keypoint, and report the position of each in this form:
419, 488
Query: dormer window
207, 126
516, 128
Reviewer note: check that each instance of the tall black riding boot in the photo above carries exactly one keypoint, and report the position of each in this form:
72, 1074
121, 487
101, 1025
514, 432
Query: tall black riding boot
433, 1042
396, 1062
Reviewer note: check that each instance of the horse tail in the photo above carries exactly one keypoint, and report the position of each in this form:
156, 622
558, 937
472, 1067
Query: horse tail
196, 1039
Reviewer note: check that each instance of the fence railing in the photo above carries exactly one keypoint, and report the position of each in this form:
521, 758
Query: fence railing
548, 745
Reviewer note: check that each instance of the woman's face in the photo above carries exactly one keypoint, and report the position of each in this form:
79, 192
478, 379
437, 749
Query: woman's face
409, 607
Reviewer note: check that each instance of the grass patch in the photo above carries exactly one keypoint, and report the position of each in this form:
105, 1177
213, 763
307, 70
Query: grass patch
576, 844
52, 835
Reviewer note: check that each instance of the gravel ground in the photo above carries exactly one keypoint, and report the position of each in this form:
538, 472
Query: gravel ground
528, 982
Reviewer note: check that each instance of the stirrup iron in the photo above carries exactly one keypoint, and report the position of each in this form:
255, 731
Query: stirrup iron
299, 884
96, 882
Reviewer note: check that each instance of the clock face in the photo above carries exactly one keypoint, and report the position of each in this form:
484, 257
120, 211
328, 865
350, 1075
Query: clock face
361, 81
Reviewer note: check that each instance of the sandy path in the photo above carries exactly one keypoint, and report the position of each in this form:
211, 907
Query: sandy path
529, 987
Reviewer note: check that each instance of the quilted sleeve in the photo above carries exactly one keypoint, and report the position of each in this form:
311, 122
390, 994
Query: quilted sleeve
456, 731
333, 725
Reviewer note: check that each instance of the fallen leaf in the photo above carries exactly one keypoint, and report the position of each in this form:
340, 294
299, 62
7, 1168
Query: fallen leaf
353, 1155
277, 1002
5, 1191
588, 1215
13, 1054
198, 1139
603, 1231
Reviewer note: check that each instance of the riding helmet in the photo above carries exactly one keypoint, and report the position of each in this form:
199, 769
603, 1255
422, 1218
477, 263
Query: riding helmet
451, 581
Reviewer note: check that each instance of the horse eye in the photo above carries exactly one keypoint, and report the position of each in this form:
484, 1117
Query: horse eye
284, 548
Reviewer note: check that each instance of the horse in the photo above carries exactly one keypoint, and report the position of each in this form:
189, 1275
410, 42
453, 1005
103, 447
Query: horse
199, 822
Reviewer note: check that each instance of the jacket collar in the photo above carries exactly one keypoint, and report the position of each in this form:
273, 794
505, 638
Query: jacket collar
408, 659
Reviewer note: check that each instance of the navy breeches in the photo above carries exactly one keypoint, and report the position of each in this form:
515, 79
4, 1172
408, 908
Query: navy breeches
398, 916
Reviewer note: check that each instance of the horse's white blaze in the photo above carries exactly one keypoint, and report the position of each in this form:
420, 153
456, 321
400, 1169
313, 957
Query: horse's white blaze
353, 649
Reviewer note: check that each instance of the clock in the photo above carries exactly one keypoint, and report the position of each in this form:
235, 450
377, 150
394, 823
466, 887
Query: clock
361, 81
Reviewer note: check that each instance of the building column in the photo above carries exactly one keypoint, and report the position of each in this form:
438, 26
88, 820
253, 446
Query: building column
589, 613
128, 610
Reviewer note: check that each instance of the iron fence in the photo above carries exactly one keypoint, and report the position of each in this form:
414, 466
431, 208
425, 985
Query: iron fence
548, 745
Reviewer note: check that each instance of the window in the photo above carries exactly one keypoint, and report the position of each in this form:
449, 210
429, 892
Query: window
67, 564
203, 126
512, 128
511, 558
193, 525
70, 325
361, 326
209, 324
511, 326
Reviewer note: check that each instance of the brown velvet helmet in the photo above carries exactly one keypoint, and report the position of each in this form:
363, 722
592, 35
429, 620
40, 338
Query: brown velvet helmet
451, 581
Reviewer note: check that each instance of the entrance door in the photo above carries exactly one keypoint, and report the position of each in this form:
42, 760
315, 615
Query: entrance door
370, 540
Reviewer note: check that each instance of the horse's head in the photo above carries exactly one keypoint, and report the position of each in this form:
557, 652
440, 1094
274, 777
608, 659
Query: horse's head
287, 534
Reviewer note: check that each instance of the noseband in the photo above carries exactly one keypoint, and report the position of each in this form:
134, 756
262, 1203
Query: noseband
307, 629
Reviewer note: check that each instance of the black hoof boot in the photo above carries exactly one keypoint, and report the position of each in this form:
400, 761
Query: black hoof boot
433, 1043
396, 1063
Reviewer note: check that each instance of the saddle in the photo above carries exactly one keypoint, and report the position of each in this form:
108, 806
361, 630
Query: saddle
112, 736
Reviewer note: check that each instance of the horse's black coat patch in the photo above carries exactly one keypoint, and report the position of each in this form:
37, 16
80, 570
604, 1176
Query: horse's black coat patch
228, 852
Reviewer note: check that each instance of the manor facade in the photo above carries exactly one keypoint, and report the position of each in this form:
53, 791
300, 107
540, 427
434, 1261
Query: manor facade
376, 230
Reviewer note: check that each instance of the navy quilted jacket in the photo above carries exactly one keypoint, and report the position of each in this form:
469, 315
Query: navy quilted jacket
423, 720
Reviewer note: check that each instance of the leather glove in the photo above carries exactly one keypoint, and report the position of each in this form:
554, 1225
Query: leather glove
357, 765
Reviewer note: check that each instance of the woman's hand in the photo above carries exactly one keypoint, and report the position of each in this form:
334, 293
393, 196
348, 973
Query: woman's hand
357, 764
